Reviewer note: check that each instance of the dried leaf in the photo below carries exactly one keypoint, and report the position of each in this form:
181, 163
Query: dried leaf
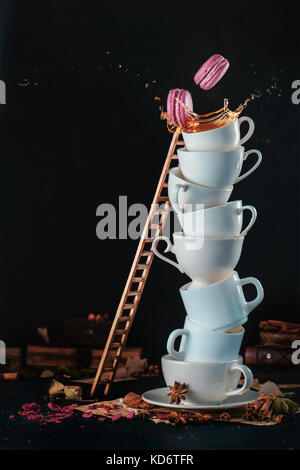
55, 388
47, 373
73, 392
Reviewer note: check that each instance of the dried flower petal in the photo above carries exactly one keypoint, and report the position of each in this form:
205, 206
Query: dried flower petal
31, 407
162, 416
116, 417
53, 406
69, 407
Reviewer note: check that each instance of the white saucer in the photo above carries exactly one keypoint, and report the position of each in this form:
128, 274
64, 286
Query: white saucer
159, 397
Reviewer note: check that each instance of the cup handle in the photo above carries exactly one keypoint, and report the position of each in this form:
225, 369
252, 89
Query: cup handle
258, 162
171, 342
169, 248
248, 376
250, 130
253, 218
259, 289
177, 206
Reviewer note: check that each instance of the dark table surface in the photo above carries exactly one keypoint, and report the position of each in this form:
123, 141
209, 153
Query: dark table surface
79, 433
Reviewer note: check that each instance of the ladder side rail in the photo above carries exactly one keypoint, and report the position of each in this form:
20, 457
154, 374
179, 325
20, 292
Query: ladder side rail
132, 314
135, 263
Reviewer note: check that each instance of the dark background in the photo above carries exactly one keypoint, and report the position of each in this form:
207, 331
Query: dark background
78, 131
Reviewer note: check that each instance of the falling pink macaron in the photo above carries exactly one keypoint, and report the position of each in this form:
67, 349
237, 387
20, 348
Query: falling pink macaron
178, 114
211, 72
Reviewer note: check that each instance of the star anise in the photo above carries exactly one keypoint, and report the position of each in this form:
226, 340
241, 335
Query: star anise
177, 392
201, 418
178, 418
144, 412
207, 417
197, 417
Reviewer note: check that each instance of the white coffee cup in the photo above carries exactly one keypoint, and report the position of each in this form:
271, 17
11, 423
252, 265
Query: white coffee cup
207, 382
216, 169
204, 260
183, 192
222, 305
222, 138
224, 221
201, 344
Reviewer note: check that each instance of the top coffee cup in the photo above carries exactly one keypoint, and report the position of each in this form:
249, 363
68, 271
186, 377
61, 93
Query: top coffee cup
223, 138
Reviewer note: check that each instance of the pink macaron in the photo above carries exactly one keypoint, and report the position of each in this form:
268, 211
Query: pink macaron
178, 114
211, 71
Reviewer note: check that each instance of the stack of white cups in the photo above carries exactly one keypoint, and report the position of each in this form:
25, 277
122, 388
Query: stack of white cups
208, 250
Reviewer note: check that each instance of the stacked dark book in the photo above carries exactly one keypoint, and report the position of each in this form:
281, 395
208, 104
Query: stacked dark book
75, 350
277, 358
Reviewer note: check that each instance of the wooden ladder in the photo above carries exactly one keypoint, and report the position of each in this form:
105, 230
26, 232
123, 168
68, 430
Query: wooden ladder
136, 281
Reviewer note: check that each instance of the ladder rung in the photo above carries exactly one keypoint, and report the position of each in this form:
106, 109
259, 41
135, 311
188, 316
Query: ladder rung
129, 306
174, 156
112, 356
142, 266
161, 212
147, 253
138, 279
165, 185
180, 142
148, 240
163, 198
120, 332
125, 318
115, 345
133, 292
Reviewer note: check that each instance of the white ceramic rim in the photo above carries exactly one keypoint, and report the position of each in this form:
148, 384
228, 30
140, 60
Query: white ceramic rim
214, 206
238, 360
216, 332
185, 150
182, 235
208, 188
212, 130
185, 286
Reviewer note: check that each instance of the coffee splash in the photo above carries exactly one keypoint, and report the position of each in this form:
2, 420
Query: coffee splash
206, 122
